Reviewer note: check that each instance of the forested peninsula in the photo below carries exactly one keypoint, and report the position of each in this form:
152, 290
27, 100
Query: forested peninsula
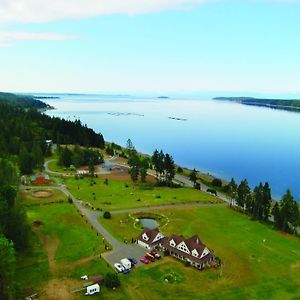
283, 104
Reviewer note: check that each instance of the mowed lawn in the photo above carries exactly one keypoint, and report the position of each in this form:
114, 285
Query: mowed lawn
258, 262
122, 194
62, 249
29, 197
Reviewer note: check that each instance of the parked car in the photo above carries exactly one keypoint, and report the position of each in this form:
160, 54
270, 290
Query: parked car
150, 257
155, 254
126, 263
84, 277
126, 271
144, 260
132, 260
119, 267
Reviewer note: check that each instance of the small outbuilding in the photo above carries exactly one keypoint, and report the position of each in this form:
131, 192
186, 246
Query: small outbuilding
40, 179
92, 289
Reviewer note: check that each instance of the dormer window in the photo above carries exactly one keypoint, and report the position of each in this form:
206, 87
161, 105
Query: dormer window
205, 252
145, 237
195, 253
183, 247
172, 243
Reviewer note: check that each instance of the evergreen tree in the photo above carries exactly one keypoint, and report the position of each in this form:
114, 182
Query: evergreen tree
193, 176
289, 212
134, 165
144, 165
267, 201
243, 191
169, 167
7, 269
277, 216
37, 155
232, 191
257, 208
25, 161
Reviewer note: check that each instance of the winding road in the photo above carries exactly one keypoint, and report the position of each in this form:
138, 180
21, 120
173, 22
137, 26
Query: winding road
121, 250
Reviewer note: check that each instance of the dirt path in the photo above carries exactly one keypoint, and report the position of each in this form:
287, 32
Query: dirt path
50, 245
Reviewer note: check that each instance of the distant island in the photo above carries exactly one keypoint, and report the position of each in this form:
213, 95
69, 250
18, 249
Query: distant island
177, 119
163, 97
46, 97
283, 104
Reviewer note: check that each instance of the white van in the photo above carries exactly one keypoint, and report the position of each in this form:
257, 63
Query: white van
92, 289
126, 263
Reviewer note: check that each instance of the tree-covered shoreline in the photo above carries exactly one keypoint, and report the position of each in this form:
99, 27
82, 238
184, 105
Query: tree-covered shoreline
24, 143
283, 104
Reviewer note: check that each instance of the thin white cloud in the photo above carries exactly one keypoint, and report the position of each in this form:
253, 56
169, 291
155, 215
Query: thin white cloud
38, 11
7, 38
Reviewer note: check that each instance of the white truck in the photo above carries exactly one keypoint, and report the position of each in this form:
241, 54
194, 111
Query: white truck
126, 263
92, 289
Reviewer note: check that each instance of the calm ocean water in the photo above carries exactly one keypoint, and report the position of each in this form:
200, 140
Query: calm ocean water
222, 138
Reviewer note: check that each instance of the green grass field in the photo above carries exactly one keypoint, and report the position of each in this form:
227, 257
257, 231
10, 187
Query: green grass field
62, 245
28, 198
61, 221
122, 194
258, 262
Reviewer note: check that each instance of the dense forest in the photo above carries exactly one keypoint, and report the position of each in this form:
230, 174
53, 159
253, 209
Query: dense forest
23, 135
289, 104
22, 101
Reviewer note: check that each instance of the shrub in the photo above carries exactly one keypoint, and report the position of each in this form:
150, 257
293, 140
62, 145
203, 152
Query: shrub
106, 181
107, 215
212, 191
112, 280
216, 182
70, 200
179, 170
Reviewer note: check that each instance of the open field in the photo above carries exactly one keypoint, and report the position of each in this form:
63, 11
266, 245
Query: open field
53, 166
258, 262
30, 197
62, 247
122, 194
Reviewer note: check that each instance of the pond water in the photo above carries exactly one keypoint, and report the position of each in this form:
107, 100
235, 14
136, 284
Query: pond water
223, 138
149, 223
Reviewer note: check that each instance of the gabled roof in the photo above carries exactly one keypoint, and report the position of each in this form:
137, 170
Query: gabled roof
151, 235
192, 243
39, 175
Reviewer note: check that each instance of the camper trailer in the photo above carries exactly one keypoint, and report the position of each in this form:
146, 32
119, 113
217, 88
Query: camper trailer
92, 289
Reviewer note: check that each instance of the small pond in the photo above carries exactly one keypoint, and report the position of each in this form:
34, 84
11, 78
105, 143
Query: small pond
149, 223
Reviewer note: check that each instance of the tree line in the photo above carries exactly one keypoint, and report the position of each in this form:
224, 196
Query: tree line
259, 204
78, 156
162, 163
23, 148
24, 133
14, 230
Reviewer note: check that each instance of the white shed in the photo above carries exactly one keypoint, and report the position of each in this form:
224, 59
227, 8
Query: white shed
92, 289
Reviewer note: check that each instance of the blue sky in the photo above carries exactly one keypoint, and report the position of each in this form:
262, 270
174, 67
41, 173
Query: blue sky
134, 47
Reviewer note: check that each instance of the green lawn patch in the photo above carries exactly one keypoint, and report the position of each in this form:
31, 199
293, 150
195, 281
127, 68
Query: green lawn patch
121, 194
31, 197
62, 221
258, 262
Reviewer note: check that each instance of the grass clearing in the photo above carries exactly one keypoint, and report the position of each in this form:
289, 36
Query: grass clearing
62, 243
258, 262
122, 194
28, 197
63, 222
